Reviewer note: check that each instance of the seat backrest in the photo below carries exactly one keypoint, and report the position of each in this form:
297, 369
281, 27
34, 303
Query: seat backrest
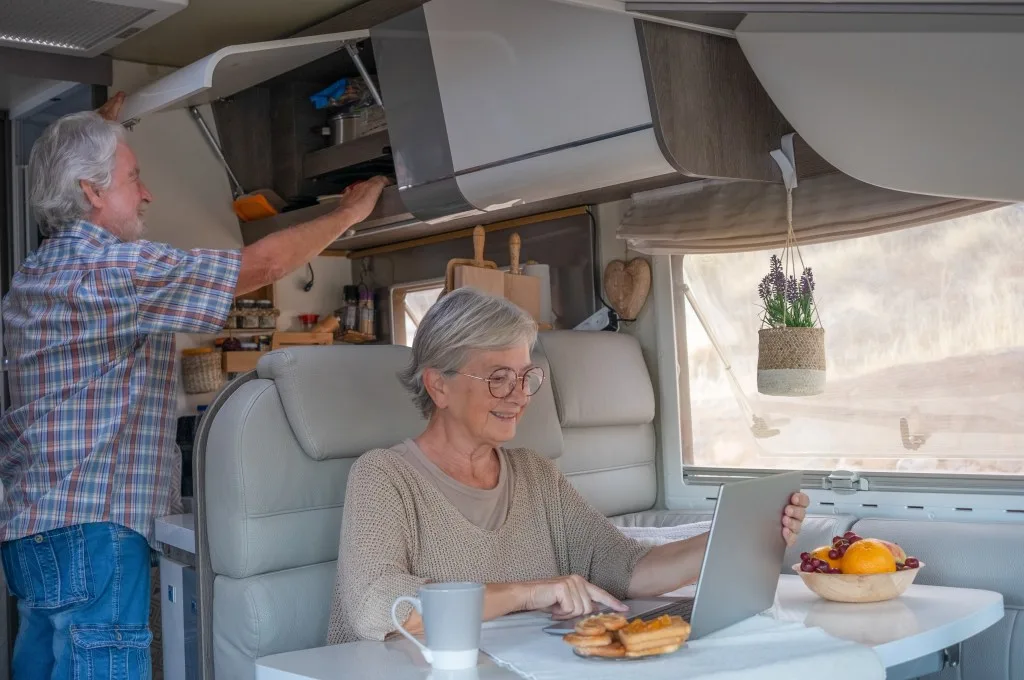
605, 403
280, 447
276, 465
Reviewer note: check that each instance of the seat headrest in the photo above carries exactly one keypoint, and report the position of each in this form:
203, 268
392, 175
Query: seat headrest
599, 378
343, 400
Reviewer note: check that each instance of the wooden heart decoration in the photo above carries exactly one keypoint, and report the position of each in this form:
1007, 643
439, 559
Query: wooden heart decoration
627, 285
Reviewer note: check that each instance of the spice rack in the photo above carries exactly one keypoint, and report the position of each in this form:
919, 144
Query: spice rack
251, 327
254, 312
358, 316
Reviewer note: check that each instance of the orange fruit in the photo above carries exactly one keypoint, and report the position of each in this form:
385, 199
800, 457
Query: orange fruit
822, 554
868, 556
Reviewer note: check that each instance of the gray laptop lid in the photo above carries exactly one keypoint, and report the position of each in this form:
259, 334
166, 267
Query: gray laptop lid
743, 561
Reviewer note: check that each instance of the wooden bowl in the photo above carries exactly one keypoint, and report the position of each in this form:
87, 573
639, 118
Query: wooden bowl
858, 587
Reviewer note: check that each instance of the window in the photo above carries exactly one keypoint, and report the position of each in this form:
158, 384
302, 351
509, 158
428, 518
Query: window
409, 302
925, 355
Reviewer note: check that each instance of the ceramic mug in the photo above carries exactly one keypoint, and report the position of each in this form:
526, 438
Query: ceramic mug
452, 615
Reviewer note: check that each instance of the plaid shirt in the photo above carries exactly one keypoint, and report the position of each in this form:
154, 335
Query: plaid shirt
89, 324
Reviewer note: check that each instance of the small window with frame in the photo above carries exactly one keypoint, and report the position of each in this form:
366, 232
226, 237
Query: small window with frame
409, 302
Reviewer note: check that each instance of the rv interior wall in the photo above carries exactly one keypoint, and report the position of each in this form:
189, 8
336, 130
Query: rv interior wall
192, 206
609, 216
646, 329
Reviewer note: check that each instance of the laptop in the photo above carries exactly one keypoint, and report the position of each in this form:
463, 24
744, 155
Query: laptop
742, 563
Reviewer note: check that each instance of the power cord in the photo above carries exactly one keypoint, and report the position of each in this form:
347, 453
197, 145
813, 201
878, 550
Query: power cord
312, 277
614, 320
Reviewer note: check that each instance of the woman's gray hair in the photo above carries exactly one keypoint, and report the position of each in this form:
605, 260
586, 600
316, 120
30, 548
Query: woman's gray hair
463, 321
78, 147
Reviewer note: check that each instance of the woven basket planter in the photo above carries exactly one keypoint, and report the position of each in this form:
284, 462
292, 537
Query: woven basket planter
201, 370
791, 361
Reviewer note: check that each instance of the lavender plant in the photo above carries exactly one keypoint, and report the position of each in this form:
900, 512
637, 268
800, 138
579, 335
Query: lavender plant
785, 301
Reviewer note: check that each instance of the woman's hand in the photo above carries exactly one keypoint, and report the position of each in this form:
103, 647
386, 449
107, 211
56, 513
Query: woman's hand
793, 517
567, 597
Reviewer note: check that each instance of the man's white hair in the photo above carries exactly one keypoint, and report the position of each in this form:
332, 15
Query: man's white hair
75, 148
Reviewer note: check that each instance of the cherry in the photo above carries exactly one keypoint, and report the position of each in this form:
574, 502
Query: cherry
912, 563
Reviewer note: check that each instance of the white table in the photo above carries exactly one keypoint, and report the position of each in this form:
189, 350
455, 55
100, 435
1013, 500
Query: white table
909, 635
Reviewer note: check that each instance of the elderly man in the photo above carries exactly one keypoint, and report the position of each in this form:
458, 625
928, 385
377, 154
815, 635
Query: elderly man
87, 452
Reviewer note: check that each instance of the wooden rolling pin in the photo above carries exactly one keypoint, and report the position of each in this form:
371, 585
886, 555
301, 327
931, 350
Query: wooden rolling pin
327, 325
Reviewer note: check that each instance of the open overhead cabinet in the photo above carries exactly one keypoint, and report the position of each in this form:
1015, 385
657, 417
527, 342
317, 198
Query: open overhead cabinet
263, 138
230, 70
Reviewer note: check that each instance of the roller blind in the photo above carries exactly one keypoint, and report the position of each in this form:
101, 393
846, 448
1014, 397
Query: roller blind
720, 216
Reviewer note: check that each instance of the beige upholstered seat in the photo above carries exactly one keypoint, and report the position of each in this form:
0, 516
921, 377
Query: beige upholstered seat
278, 449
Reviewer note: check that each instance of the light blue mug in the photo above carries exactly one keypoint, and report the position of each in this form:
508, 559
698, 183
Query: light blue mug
452, 615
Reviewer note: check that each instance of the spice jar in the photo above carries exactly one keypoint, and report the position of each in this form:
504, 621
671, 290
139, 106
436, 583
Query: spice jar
351, 320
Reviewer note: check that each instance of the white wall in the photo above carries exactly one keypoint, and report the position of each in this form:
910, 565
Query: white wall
655, 331
608, 217
192, 206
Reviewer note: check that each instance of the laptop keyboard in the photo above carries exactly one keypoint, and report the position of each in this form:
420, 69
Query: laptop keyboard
683, 608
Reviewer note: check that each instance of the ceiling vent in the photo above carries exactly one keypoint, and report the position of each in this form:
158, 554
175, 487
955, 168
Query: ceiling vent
82, 28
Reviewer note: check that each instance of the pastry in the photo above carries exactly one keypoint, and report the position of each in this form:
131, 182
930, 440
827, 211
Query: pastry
662, 635
654, 651
613, 651
590, 626
581, 641
612, 622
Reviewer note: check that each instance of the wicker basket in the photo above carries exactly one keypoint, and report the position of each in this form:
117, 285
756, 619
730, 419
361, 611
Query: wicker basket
791, 361
201, 370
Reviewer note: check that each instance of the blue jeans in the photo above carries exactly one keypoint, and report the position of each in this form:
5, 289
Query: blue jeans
83, 603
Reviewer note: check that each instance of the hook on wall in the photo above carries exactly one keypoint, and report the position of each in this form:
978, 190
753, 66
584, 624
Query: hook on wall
785, 158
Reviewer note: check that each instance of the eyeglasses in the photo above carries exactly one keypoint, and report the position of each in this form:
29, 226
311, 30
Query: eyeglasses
503, 381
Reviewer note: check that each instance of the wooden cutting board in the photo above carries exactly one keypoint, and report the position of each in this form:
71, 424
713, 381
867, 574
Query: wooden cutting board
481, 274
520, 288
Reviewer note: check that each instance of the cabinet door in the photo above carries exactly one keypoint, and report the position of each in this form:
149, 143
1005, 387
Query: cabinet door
230, 70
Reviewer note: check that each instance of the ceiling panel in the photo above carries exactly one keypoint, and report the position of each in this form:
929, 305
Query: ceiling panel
207, 25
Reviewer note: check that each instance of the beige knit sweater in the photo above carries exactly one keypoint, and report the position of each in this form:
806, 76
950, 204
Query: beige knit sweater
398, 532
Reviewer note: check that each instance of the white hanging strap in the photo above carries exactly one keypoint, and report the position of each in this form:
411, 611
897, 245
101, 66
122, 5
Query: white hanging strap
785, 158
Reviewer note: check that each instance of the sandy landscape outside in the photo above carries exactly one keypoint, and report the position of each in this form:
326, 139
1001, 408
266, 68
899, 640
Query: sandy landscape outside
924, 324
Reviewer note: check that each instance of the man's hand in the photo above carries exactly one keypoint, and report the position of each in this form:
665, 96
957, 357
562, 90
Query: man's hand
112, 109
793, 517
358, 200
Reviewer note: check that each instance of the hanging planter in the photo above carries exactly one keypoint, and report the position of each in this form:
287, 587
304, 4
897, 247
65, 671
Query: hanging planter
791, 342
791, 346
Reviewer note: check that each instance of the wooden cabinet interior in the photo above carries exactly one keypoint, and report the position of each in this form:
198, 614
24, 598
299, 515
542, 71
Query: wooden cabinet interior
267, 132
711, 115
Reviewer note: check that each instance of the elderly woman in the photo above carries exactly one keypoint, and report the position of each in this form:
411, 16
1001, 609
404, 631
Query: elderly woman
454, 505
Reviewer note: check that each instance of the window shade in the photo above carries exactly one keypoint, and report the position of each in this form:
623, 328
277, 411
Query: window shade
719, 216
